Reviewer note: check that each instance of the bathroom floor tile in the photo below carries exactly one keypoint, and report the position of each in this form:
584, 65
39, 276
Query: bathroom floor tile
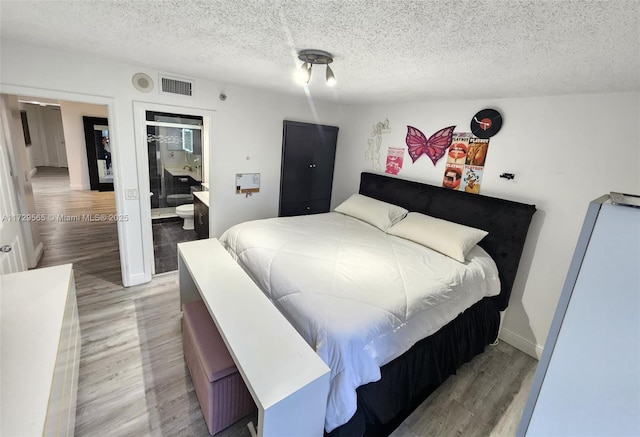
167, 264
164, 250
167, 233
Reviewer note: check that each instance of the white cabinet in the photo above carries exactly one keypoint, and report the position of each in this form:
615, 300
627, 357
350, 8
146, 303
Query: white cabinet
40, 353
587, 382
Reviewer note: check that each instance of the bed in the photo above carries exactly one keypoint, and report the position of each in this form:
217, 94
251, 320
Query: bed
392, 318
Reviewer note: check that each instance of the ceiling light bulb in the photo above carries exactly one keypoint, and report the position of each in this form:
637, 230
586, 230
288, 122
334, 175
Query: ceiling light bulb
304, 73
331, 79
309, 73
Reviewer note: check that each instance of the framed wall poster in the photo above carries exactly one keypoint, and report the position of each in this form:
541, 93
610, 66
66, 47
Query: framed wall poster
395, 156
465, 163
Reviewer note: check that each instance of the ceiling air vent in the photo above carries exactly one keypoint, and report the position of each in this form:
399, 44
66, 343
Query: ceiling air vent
175, 86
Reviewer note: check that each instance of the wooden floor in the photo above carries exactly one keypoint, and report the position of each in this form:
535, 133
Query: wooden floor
133, 380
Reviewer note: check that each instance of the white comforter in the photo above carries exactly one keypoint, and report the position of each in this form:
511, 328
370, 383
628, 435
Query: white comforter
359, 296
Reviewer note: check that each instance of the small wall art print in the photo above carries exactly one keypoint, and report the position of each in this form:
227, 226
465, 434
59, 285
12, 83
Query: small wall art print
395, 156
465, 163
375, 142
434, 147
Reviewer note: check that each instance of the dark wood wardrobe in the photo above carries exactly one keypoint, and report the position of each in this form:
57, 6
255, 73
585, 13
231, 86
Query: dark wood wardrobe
308, 156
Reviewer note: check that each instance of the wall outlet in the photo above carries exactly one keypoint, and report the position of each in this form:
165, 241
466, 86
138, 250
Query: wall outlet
131, 194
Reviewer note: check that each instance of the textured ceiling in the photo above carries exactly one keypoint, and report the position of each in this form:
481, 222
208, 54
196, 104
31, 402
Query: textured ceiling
383, 50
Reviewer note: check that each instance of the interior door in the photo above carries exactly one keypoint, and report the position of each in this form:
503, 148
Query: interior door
324, 156
12, 255
297, 159
56, 148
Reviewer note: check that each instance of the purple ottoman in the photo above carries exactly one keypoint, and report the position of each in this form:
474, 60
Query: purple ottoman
223, 396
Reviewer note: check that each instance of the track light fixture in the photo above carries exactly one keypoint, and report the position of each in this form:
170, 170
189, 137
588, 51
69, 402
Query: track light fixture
310, 57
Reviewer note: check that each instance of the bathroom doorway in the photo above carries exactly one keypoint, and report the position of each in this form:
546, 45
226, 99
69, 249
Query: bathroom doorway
174, 144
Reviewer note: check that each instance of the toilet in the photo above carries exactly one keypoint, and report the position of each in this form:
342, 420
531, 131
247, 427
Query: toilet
186, 212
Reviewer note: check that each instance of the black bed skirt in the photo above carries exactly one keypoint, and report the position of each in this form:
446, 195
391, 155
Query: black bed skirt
409, 379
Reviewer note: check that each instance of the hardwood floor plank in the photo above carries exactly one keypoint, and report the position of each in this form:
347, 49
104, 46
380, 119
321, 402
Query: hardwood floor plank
133, 380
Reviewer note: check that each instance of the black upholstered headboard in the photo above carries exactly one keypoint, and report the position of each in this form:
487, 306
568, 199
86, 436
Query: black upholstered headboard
507, 222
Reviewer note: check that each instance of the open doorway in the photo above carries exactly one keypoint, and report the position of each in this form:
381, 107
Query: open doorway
185, 121
77, 228
174, 145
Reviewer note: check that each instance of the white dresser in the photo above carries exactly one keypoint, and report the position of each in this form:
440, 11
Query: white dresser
40, 352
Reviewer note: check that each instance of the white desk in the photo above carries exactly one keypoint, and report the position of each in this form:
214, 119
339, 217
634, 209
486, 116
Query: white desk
40, 357
286, 378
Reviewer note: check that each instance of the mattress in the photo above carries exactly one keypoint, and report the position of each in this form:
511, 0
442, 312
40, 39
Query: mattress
359, 296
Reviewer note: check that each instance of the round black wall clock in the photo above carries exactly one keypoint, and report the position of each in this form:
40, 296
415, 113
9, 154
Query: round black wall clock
486, 123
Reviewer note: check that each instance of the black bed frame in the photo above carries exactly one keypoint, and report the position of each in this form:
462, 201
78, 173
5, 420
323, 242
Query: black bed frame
410, 378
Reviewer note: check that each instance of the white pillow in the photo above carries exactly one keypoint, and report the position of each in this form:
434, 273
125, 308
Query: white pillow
380, 214
446, 237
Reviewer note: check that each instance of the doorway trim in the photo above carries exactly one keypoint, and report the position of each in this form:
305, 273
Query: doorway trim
139, 117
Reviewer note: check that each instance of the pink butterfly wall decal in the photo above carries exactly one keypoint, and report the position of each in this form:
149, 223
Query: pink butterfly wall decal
434, 147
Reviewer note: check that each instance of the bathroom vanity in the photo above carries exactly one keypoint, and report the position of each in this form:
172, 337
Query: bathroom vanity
178, 182
201, 213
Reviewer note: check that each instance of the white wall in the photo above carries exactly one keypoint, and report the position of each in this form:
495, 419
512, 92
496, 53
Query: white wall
564, 151
74, 137
36, 151
250, 141
31, 166
247, 124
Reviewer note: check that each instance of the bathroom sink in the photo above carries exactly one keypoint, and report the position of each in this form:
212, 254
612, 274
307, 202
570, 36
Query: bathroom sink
182, 172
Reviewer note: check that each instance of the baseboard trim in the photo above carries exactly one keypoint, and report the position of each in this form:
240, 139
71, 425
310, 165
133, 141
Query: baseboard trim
521, 343
38, 252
